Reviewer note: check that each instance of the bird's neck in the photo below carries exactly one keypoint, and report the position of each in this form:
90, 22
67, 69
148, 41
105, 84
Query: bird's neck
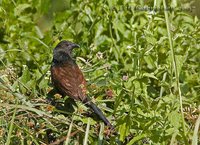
63, 60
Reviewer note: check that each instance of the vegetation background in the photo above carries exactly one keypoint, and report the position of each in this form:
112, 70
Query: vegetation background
141, 61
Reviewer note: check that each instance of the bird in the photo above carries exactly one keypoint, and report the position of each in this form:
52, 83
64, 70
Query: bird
68, 79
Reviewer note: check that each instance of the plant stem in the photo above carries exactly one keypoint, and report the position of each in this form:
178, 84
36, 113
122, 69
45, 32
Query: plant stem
175, 70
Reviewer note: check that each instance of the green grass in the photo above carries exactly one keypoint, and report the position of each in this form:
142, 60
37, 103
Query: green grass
142, 70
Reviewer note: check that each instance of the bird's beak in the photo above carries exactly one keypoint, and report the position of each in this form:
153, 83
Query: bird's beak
74, 45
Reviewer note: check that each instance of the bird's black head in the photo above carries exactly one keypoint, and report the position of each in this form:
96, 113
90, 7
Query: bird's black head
63, 50
66, 46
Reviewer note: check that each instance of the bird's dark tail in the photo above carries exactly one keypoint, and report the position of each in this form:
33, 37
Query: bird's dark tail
98, 112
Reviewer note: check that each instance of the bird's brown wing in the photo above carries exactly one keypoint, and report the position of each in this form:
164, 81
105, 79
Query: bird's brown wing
69, 80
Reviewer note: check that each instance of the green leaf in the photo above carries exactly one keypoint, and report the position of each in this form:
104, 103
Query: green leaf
175, 119
20, 8
25, 19
151, 40
150, 76
136, 138
124, 128
25, 76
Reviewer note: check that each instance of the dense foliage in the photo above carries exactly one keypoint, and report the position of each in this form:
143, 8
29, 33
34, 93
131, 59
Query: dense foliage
148, 87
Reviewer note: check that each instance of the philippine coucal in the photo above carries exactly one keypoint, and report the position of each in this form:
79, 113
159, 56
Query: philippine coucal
68, 79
